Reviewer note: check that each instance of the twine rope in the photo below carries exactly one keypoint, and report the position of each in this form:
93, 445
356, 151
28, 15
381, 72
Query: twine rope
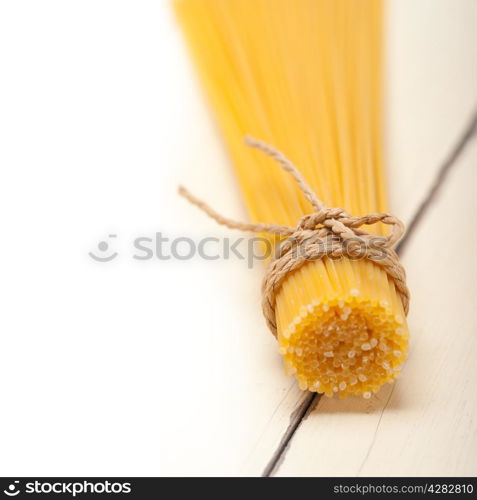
326, 232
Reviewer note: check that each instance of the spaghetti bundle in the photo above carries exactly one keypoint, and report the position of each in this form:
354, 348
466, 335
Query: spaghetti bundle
305, 76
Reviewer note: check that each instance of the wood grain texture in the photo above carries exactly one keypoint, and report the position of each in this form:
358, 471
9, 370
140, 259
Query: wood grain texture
424, 424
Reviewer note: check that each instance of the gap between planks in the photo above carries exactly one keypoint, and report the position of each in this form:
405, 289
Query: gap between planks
307, 406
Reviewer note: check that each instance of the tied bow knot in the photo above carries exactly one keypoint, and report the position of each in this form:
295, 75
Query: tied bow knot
326, 232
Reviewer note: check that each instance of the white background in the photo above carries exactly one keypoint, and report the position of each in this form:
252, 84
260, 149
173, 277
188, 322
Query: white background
101, 118
149, 368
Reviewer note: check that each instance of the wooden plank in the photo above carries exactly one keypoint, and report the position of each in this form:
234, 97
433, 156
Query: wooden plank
422, 125
424, 423
431, 81
244, 406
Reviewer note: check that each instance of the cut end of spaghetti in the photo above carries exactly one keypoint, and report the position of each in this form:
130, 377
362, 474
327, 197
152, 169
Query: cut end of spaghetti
345, 347
351, 339
351, 346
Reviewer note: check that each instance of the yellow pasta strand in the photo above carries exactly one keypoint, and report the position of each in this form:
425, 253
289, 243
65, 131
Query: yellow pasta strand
305, 76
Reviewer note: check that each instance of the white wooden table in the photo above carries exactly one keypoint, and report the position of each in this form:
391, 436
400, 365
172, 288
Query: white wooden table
253, 420
166, 367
